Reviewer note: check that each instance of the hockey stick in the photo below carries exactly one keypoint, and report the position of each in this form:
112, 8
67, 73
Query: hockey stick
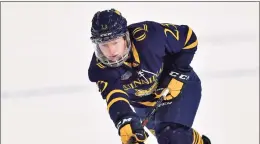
150, 115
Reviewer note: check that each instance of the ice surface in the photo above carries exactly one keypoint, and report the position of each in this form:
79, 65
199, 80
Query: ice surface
48, 99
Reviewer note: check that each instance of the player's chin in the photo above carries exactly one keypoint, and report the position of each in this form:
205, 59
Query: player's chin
114, 59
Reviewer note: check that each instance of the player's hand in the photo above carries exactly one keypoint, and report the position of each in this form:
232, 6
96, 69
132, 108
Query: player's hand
174, 81
131, 128
168, 97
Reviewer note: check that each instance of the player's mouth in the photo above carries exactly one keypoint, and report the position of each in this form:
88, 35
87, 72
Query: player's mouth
113, 57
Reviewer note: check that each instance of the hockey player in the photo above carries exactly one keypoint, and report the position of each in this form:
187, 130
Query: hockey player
133, 64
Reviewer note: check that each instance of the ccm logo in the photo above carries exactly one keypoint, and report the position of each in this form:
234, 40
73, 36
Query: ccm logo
178, 75
105, 34
123, 122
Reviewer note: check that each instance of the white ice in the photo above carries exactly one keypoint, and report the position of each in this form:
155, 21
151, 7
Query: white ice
46, 97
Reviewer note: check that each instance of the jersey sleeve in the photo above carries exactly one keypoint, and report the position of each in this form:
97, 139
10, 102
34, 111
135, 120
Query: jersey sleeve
110, 88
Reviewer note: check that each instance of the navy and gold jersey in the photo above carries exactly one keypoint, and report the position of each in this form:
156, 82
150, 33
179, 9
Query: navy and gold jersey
156, 48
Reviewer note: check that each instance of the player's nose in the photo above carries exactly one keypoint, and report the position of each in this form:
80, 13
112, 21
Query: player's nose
112, 50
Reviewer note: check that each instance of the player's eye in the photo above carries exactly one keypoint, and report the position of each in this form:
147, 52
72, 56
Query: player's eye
115, 42
104, 45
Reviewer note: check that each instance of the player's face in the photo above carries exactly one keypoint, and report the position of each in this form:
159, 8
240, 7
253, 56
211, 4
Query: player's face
115, 49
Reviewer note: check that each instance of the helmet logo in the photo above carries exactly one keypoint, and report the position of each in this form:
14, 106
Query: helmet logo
103, 27
105, 34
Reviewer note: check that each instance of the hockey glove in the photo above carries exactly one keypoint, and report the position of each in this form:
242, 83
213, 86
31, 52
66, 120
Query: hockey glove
131, 128
174, 81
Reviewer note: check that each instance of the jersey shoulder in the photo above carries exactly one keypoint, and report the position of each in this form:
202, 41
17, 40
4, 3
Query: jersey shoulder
99, 72
157, 34
144, 31
146, 37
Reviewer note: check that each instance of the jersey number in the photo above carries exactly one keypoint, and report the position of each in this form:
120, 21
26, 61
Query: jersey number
172, 29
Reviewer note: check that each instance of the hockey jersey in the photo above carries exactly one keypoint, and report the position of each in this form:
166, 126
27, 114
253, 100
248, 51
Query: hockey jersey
156, 49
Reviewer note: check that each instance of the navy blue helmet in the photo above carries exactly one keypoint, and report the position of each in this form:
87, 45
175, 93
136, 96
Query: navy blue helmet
107, 24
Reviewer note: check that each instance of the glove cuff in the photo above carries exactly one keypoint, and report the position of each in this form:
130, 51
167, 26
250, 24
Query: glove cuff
126, 118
